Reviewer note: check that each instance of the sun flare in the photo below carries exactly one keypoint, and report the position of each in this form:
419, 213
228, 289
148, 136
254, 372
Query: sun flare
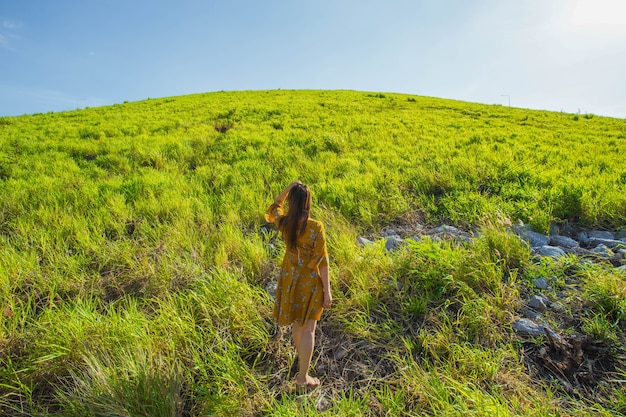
599, 12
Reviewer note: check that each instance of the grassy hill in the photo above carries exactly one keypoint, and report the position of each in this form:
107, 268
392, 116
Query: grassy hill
133, 262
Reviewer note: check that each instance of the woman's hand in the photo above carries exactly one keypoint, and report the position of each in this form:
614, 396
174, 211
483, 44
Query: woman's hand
328, 299
281, 197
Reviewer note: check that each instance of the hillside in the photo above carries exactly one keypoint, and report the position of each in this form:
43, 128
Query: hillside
134, 259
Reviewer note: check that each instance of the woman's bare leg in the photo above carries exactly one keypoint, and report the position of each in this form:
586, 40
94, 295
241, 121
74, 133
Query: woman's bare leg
296, 334
304, 339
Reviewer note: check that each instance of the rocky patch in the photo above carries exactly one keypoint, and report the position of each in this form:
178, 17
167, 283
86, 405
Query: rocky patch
594, 245
578, 362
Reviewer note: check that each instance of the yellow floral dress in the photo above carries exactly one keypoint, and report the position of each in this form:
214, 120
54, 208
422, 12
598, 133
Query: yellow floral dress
300, 293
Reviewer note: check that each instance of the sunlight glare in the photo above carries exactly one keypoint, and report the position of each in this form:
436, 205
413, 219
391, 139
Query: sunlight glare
599, 12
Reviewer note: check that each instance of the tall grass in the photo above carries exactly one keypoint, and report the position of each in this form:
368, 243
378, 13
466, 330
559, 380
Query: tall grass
133, 262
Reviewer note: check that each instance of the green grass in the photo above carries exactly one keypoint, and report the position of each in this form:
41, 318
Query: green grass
133, 264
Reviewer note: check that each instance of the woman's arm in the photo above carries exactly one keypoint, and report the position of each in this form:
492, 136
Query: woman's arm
283, 194
328, 297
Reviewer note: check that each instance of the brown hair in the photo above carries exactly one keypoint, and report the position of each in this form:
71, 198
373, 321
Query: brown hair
294, 223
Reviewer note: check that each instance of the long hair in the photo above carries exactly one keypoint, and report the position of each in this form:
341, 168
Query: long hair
294, 223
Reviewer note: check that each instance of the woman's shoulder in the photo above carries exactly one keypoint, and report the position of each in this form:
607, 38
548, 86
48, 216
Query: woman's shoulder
315, 224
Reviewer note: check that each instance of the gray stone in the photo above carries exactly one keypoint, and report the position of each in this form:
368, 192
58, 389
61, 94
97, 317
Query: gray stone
610, 243
451, 230
600, 234
271, 288
538, 302
552, 333
557, 306
555, 229
602, 251
527, 326
464, 238
621, 234
390, 233
622, 268
570, 250
531, 314
550, 251
520, 228
582, 252
583, 238
363, 241
563, 241
534, 239
542, 283
393, 243
566, 230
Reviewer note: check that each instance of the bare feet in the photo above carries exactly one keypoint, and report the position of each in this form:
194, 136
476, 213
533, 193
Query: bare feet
308, 382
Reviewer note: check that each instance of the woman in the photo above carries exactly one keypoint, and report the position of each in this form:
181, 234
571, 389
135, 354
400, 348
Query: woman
303, 286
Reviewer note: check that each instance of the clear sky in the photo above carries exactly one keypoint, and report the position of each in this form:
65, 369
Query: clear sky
562, 55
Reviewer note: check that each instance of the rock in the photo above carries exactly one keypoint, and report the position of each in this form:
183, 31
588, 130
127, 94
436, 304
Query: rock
533, 238
557, 306
569, 250
538, 302
527, 326
464, 238
583, 252
600, 234
550, 251
555, 336
610, 243
271, 288
537, 239
363, 241
520, 228
621, 234
602, 251
531, 314
562, 229
583, 238
390, 233
563, 241
542, 283
555, 229
445, 231
393, 243
451, 230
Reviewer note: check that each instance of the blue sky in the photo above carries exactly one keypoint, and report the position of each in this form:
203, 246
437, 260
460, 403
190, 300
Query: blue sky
561, 55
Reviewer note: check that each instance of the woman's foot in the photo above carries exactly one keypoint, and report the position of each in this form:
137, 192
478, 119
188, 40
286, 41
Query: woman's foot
307, 382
